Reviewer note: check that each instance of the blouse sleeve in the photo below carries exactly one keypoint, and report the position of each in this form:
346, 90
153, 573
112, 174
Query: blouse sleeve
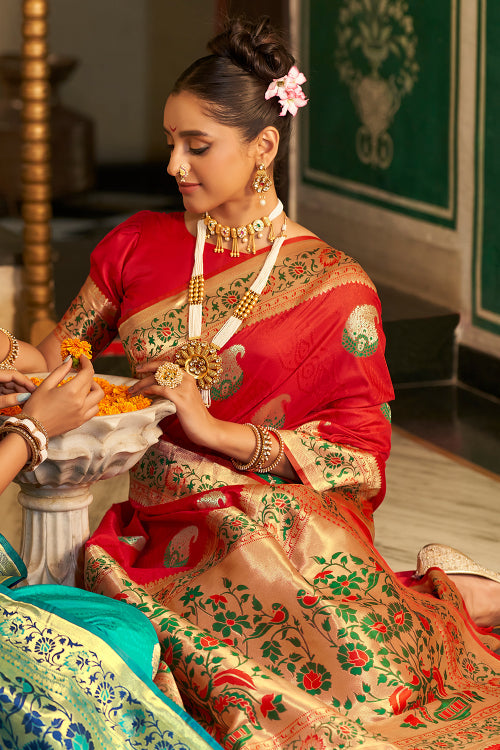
95, 312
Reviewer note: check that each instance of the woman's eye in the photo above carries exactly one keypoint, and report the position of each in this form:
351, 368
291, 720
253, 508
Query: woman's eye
199, 151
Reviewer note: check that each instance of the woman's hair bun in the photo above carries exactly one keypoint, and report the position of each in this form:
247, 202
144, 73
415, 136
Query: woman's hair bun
256, 47
232, 81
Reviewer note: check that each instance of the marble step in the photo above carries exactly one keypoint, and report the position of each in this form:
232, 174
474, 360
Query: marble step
420, 337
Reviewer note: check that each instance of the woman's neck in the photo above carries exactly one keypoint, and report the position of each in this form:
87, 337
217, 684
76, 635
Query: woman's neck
241, 215
237, 214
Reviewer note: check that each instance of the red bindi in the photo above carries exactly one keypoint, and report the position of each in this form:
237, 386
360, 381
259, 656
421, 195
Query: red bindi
173, 129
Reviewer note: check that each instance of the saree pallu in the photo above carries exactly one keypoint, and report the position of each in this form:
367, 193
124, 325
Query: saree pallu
76, 673
281, 625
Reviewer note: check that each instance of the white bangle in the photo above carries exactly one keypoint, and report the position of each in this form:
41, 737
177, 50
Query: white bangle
19, 429
36, 422
28, 425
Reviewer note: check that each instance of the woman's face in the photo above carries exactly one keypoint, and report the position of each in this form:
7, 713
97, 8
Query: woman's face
220, 164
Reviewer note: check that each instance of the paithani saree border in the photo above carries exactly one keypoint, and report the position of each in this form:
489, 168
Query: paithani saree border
339, 465
12, 567
313, 270
166, 464
388, 729
91, 316
308, 711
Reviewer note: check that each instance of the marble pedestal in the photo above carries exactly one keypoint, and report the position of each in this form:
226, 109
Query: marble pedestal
56, 496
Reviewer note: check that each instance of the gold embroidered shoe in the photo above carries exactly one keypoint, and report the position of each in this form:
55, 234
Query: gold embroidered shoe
451, 561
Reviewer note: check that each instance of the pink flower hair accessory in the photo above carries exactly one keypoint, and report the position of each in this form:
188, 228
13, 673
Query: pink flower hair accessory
288, 89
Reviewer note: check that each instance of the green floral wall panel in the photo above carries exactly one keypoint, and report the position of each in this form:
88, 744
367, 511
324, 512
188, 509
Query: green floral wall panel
381, 122
486, 266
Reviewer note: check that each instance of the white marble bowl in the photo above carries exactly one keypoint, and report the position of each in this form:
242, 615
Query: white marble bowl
101, 448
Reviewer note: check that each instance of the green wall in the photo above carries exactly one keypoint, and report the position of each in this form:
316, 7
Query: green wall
382, 120
486, 265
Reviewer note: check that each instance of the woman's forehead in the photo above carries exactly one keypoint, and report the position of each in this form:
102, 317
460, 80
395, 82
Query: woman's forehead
186, 110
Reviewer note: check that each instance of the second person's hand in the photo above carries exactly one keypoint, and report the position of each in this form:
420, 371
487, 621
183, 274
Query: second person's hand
66, 407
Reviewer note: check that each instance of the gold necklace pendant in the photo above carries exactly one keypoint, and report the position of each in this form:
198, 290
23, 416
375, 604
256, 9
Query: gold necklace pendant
201, 360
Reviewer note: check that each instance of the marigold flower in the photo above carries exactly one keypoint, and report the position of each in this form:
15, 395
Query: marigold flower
76, 348
116, 399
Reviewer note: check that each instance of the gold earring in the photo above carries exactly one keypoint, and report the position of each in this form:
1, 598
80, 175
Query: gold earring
183, 172
262, 182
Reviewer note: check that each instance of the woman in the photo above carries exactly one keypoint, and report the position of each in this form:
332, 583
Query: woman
76, 669
247, 537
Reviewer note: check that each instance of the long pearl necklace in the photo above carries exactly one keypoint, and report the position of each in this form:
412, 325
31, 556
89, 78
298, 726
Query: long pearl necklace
199, 358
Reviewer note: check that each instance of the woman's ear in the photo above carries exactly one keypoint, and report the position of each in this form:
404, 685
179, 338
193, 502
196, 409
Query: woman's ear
267, 145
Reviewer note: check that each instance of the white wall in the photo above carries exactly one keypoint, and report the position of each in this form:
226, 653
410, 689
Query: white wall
130, 52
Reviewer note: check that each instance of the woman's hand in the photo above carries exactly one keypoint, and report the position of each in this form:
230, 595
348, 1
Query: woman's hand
12, 383
63, 408
229, 438
195, 419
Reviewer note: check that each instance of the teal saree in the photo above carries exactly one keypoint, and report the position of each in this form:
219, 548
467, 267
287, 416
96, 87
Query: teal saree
76, 672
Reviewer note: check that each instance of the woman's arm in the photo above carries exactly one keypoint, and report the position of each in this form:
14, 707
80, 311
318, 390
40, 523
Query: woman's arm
30, 358
58, 408
14, 453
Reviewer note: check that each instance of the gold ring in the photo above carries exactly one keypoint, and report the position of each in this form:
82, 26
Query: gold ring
169, 374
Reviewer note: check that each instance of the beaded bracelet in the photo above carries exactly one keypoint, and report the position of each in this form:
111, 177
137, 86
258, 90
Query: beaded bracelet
8, 362
36, 456
265, 469
256, 454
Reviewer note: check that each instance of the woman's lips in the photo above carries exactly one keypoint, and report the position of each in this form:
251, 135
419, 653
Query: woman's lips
188, 187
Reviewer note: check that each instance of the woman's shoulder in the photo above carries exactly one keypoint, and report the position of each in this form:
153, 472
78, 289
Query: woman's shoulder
144, 228
151, 220
139, 235
304, 243
314, 267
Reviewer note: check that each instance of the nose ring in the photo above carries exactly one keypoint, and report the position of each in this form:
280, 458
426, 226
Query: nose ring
183, 172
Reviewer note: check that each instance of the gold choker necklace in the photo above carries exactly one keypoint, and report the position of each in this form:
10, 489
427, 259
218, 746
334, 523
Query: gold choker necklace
244, 234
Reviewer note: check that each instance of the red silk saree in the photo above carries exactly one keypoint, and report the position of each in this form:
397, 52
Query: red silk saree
280, 624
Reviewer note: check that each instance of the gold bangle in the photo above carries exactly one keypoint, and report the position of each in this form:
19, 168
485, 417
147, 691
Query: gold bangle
281, 451
8, 362
254, 460
36, 457
37, 424
267, 446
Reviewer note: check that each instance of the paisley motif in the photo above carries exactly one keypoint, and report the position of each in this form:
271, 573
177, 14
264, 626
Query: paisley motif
360, 335
177, 550
232, 377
